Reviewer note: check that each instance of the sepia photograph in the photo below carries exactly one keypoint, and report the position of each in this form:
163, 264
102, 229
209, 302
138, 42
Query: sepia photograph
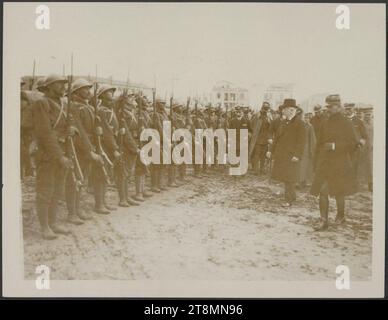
194, 149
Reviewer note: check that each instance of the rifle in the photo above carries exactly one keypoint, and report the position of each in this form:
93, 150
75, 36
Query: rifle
98, 131
154, 100
171, 113
187, 122
76, 171
33, 76
196, 112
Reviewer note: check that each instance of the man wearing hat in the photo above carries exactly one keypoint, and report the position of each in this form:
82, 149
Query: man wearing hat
334, 175
261, 138
198, 123
287, 150
143, 122
111, 128
90, 162
158, 182
238, 123
41, 85
51, 130
318, 117
128, 122
360, 132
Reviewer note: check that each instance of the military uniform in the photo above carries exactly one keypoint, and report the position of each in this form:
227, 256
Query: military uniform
333, 174
51, 130
92, 170
129, 149
141, 170
110, 127
199, 123
158, 182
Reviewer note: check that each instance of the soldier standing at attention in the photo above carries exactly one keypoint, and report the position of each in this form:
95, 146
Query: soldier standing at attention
84, 113
158, 170
361, 136
129, 149
51, 130
143, 122
110, 126
334, 175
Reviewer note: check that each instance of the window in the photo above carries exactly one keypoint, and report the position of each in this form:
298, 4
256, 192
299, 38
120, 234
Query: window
226, 97
233, 96
218, 96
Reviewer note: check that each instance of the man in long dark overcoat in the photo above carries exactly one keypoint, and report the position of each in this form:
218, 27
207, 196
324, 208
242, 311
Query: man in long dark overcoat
334, 173
287, 150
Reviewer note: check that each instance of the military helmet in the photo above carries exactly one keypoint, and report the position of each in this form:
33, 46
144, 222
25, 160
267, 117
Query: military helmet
80, 83
52, 78
104, 88
41, 84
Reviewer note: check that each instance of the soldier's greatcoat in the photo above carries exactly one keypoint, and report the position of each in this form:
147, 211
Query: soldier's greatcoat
334, 167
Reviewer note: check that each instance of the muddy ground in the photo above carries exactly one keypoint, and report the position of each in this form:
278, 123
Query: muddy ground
218, 227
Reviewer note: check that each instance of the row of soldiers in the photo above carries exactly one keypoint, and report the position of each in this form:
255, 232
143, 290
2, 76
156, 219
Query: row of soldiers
82, 136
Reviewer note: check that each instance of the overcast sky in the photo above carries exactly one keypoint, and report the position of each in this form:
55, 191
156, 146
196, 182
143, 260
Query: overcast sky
199, 44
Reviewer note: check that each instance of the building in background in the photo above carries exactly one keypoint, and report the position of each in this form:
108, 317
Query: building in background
308, 104
276, 93
228, 95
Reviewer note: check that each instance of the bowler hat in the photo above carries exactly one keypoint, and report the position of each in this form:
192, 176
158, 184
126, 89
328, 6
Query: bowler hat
289, 103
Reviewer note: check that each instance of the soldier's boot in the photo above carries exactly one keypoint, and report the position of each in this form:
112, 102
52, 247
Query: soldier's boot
139, 189
71, 199
171, 177
105, 204
324, 211
146, 194
161, 183
81, 213
181, 173
122, 194
154, 181
98, 198
42, 211
74, 219
52, 219
340, 217
132, 202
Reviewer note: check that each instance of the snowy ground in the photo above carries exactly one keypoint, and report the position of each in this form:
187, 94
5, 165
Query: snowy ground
218, 228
